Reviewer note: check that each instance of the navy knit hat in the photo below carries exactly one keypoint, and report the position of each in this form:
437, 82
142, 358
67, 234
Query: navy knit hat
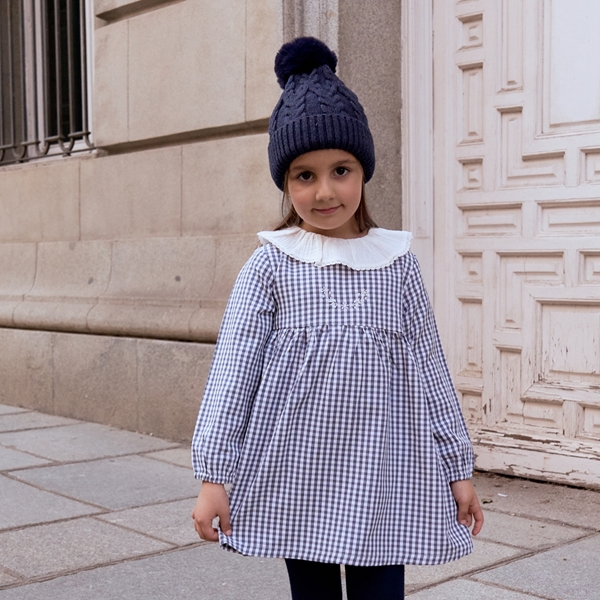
316, 110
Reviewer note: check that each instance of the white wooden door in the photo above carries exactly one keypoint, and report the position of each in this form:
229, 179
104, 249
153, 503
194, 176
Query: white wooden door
516, 228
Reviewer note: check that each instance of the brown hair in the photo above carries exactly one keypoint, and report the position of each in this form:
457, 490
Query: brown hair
291, 217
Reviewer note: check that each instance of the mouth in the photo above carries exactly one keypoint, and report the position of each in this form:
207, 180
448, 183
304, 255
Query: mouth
326, 211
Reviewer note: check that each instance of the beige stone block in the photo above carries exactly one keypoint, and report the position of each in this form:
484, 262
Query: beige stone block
106, 6
171, 379
186, 68
62, 314
103, 6
205, 323
263, 40
132, 195
70, 277
72, 269
17, 265
181, 268
110, 84
231, 254
158, 296
95, 379
227, 187
142, 318
40, 202
26, 369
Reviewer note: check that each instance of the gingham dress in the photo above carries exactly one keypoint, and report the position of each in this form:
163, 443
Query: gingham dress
330, 408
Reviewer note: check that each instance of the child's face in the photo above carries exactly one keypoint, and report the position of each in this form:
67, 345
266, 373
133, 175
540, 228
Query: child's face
326, 187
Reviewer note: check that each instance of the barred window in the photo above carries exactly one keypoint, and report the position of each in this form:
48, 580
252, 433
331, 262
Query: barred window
43, 78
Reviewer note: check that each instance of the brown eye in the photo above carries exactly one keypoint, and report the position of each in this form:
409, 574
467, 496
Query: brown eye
341, 171
305, 176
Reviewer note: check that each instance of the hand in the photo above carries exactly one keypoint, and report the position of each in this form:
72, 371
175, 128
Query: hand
212, 502
468, 504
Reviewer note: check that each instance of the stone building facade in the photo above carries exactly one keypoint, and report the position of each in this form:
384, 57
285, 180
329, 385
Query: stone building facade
117, 263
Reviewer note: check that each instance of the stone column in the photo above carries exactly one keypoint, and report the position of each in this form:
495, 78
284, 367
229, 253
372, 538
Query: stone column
367, 39
318, 18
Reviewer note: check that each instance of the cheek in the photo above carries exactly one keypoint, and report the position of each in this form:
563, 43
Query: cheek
353, 191
299, 198
299, 206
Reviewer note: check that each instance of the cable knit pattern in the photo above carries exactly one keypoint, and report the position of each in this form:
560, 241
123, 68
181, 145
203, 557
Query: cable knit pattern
317, 111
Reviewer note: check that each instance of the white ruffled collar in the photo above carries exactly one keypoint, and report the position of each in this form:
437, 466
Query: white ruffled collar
378, 249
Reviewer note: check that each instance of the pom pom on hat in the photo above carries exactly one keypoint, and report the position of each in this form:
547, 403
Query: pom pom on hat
302, 55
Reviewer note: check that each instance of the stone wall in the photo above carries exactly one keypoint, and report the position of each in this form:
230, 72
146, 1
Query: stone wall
116, 265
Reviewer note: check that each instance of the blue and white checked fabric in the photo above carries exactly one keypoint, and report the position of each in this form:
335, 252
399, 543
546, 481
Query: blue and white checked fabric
330, 408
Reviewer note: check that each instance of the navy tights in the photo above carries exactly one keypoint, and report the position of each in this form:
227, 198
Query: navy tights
322, 581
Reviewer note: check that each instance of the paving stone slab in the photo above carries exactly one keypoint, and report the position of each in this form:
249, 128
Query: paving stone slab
7, 409
202, 573
468, 590
80, 543
83, 441
170, 521
7, 579
567, 573
31, 420
176, 456
116, 483
484, 554
26, 505
571, 506
526, 533
15, 459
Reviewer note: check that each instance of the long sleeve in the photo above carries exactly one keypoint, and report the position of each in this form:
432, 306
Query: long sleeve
447, 422
235, 373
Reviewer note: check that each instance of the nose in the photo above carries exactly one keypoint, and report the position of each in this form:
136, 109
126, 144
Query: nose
324, 189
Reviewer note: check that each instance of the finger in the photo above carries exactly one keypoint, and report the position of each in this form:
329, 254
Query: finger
465, 519
464, 514
205, 529
198, 529
197, 525
208, 532
225, 522
478, 514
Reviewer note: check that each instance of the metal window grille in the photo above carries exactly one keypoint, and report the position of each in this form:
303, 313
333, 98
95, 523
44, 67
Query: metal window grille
44, 79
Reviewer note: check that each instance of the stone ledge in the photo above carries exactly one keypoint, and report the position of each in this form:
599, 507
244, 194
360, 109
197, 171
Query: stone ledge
166, 288
150, 386
113, 10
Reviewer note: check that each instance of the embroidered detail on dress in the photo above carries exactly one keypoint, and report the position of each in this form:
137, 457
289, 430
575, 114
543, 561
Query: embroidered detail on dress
360, 298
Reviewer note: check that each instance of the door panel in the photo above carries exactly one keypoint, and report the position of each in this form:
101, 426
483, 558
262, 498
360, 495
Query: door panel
516, 228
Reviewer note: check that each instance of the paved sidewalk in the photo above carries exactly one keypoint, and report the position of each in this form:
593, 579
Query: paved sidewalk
95, 513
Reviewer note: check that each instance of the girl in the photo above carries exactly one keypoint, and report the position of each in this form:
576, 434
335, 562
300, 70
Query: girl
329, 406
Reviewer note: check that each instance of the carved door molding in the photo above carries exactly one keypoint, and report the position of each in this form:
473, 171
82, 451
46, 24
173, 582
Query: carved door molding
514, 222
